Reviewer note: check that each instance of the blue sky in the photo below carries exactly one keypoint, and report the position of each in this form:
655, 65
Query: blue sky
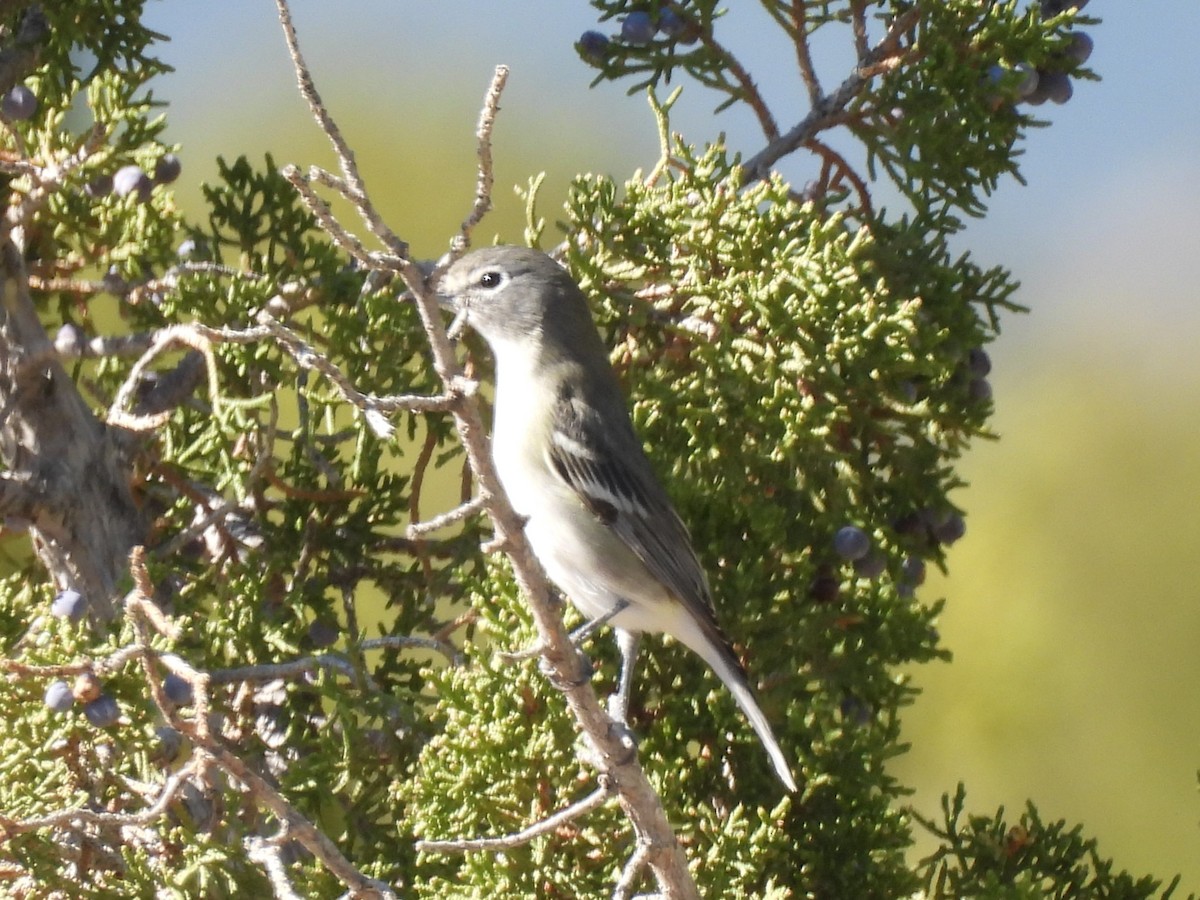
1099, 235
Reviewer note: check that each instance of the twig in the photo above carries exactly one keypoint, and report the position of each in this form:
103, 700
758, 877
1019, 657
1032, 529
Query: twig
188, 335
803, 55
357, 190
262, 792
828, 108
581, 807
463, 511
308, 358
294, 668
632, 871
766, 121
79, 816
324, 215
267, 853
835, 159
858, 20
483, 183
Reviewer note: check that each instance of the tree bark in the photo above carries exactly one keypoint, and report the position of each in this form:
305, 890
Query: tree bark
66, 474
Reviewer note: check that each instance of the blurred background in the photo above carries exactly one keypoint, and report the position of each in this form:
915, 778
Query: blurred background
1073, 611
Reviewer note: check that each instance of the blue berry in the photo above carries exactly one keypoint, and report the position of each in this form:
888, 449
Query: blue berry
979, 363
913, 571
59, 697
593, 46
70, 339
100, 186
102, 712
637, 29
950, 529
678, 28
170, 742
1057, 85
19, 103
870, 566
670, 23
130, 179
1051, 8
980, 390
178, 690
851, 542
1080, 47
167, 169
323, 633
1054, 86
69, 604
1029, 80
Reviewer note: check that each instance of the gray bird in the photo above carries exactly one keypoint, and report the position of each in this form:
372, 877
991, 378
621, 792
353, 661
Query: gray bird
596, 516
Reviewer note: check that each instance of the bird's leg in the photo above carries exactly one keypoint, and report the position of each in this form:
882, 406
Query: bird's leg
585, 631
578, 637
618, 702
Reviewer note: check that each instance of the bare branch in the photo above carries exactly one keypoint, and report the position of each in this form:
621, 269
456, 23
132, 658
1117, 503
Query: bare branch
629, 875
445, 520
483, 184
803, 55
198, 338
308, 358
829, 108
750, 92
74, 818
267, 853
356, 189
324, 215
294, 668
261, 791
547, 825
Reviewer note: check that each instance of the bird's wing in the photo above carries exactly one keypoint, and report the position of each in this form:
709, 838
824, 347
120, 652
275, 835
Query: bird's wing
604, 464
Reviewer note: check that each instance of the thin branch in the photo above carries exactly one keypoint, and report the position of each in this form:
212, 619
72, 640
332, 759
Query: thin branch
268, 854
445, 520
188, 335
547, 825
803, 55
74, 818
300, 828
827, 110
304, 665
836, 160
324, 215
750, 92
258, 788
632, 871
308, 358
357, 190
484, 181
858, 19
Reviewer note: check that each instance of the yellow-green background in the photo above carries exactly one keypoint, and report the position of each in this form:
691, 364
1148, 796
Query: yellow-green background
1073, 614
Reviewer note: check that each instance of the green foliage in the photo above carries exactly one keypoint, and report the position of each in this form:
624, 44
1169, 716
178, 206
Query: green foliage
985, 856
797, 363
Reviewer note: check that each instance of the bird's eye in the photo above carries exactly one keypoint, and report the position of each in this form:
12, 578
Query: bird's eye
490, 279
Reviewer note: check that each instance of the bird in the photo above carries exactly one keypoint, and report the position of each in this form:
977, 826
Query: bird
596, 516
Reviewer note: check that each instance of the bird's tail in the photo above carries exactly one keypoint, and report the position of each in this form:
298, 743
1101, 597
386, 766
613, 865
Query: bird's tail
711, 645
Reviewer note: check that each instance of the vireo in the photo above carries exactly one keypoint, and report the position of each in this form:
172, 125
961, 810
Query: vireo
597, 518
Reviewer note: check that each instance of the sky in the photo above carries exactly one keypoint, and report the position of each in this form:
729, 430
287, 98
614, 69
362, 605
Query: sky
1104, 236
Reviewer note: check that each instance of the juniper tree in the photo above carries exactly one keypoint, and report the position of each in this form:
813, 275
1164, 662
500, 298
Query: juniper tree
246, 654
